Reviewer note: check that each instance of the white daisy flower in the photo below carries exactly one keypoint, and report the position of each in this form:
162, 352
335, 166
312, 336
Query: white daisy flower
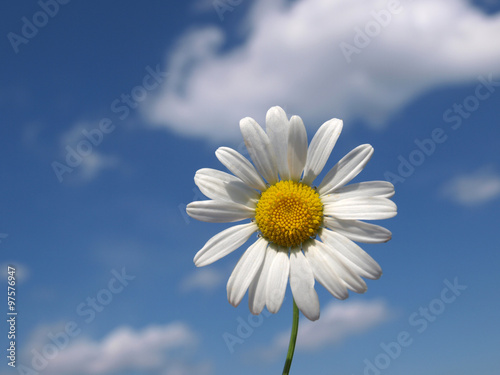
305, 233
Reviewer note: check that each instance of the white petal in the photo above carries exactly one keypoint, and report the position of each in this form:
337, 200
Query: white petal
323, 272
241, 167
358, 231
352, 252
245, 271
355, 268
277, 131
302, 285
347, 275
228, 188
346, 169
219, 211
297, 148
260, 149
257, 290
381, 189
320, 148
361, 208
277, 280
224, 243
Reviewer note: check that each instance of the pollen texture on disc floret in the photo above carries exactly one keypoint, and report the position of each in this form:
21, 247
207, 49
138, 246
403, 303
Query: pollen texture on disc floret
288, 213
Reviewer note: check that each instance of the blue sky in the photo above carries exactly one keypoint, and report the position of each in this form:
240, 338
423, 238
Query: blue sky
99, 236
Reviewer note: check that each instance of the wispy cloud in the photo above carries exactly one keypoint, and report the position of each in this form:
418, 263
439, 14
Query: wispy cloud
473, 189
80, 159
22, 272
95, 163
158, 350
338, 322
295, 56
206, 279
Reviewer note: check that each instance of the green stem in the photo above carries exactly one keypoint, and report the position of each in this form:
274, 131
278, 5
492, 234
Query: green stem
293, 338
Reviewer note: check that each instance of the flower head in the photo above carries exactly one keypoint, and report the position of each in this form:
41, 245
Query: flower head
306, 233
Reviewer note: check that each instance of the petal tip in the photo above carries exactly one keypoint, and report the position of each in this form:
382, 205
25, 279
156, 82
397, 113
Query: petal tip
196, 260
246, 122
313, 318
343, 296
232, 302
272, 309
254, 311
275, 110
336, 122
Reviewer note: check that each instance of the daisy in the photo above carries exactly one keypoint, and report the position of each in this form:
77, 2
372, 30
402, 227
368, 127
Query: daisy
305, 233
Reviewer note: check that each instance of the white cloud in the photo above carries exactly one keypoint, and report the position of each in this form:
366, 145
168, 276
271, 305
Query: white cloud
22, 271
81, 143
95, 163
162, 350
338, 322
474, 188
203, 279
292, 57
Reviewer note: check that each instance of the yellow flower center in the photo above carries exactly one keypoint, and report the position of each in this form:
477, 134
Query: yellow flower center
288, 213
